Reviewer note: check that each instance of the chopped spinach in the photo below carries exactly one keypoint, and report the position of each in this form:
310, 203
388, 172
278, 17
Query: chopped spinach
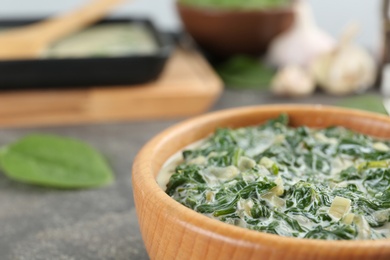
329, 183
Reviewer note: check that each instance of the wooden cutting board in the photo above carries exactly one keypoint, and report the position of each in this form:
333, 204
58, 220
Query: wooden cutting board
187, 86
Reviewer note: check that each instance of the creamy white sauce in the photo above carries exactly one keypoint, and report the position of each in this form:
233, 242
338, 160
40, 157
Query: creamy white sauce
105, 40
213, 176
169, 166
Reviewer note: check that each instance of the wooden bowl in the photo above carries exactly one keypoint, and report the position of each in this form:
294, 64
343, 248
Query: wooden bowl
172, 231
225, 33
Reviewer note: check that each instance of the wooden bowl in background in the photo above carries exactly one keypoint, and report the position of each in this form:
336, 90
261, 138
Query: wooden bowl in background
225, 33
172, 231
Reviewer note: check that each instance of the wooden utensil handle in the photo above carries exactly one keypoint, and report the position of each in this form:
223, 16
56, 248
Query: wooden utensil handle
60, 26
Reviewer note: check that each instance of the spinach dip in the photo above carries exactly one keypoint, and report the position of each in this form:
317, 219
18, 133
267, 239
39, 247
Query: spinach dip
329, 183
106, 40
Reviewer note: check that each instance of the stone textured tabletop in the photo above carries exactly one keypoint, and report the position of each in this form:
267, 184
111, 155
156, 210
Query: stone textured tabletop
41, 223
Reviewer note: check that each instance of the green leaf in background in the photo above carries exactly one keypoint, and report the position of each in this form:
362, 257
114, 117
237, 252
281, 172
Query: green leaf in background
372, 103
245, 72
55, 161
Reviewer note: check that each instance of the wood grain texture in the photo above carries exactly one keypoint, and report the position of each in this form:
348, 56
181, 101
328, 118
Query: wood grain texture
187, 86
172, 231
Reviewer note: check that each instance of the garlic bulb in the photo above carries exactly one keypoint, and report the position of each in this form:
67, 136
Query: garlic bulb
302, 42
292, 81
347, 69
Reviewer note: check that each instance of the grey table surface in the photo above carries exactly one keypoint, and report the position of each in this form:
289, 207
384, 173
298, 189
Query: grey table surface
42, 223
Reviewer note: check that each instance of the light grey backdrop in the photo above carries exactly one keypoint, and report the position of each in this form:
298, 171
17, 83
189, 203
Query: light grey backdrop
332, 15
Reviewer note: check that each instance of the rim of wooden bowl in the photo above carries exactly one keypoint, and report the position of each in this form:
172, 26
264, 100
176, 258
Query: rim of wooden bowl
286, 8
152, 156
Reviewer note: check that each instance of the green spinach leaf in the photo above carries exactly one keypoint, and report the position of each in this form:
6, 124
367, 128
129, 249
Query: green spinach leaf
53, 161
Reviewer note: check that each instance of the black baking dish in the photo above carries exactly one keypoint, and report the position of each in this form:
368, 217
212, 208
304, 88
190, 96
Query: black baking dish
96, 71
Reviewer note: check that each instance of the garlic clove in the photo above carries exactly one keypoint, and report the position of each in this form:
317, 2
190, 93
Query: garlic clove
302, 43
347, 69
292, 81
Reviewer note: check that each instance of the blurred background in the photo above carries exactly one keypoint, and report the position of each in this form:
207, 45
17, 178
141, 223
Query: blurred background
330, 14
285, 49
